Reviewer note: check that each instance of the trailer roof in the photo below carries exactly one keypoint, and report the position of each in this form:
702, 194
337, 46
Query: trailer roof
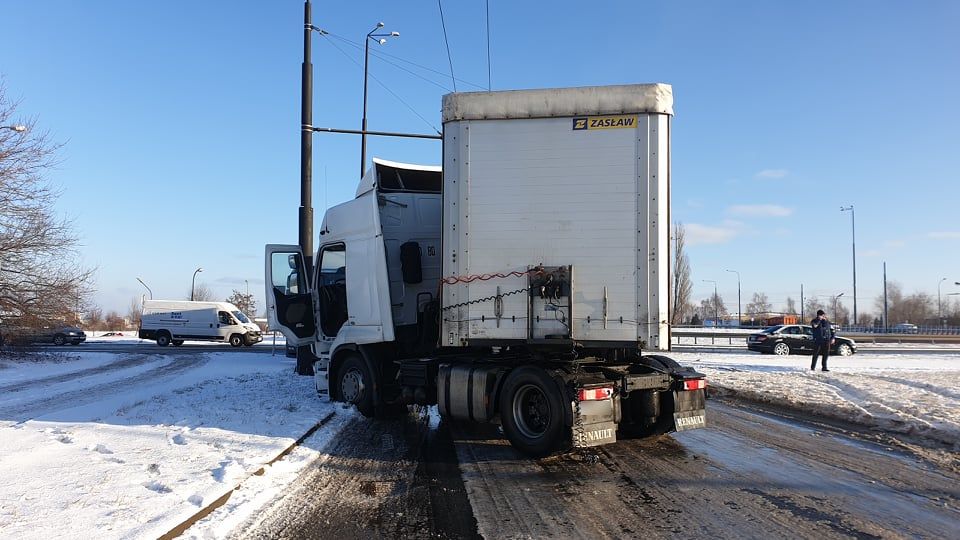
559, 102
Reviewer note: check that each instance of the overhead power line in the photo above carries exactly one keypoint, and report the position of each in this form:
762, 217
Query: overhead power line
447, 42
385, 87
385, 56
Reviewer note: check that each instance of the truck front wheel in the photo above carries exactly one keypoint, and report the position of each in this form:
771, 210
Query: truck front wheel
355, 384
531, 410
236, 340
163, 338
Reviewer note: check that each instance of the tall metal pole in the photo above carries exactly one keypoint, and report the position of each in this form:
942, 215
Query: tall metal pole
193, 284
885, 320
939, 304
148, 288
853, 231
739, 305
802, 315
306, 147
363, 124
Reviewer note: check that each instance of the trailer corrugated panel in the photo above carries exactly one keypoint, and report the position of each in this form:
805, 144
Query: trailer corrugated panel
586, 189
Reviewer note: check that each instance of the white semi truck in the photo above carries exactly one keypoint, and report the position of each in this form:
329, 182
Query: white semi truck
525, 282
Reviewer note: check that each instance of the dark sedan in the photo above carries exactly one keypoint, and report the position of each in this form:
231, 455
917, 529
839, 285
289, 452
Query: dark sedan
784, 339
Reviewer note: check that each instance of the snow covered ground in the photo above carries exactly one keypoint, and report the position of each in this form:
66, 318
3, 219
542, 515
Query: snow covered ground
130, 445
109, 445
912, 394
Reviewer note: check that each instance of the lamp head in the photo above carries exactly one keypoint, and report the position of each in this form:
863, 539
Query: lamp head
395, 34
379, 25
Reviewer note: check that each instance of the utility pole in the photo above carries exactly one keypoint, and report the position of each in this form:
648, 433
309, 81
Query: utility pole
885, 320
853, 230
739, 304
802, 317
306, 147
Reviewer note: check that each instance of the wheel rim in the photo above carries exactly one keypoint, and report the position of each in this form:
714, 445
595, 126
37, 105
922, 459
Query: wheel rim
844, 350
58, 340
781, 349
351, 386
531, 410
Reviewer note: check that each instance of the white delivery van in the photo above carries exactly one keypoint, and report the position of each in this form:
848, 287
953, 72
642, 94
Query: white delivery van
175, 321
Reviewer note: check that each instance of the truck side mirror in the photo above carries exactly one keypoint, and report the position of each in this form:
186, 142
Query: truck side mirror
410, 265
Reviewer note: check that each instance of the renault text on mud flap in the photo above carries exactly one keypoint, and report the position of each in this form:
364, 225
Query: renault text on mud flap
683, 422
620, 121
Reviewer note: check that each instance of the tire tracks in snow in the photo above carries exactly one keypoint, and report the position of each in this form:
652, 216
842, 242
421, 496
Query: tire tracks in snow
123, 363
24, 412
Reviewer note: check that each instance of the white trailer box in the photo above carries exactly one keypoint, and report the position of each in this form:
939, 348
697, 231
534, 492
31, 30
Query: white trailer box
576, 178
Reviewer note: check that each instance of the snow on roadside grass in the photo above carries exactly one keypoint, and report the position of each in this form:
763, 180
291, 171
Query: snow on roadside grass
911, 394
141, 460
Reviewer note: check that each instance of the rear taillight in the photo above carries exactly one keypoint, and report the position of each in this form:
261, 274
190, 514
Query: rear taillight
595, 394
694, 384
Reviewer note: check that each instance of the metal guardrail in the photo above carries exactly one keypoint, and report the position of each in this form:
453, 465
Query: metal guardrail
739, 337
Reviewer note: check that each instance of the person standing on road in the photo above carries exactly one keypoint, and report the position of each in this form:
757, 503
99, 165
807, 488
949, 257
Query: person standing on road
823, 335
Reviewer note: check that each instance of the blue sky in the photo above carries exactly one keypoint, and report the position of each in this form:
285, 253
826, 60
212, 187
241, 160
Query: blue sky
181, 125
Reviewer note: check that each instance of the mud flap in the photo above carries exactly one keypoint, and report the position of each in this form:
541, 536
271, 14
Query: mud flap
689, 410
596, 423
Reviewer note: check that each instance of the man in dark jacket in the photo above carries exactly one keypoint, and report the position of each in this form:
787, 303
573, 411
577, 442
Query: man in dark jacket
822, 339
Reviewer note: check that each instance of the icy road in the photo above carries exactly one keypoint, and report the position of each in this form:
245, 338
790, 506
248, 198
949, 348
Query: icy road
223, 444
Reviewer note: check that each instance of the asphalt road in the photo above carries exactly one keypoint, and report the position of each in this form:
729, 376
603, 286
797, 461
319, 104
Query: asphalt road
749, 475
150, 347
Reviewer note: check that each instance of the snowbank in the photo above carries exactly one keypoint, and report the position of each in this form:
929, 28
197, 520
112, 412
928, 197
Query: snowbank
130, 445
912, 394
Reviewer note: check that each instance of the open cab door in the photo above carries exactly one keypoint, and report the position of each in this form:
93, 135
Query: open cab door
288, 295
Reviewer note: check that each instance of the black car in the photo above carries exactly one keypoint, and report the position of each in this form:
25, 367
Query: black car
784, 339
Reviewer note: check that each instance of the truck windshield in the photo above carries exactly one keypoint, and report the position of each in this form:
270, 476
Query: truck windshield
241, 317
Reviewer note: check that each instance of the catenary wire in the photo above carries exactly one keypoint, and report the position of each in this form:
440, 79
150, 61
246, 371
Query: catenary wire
447, 42
384, 55
385, 87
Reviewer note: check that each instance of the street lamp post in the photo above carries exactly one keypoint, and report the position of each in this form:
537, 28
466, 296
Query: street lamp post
835, 298
19, 128
193, 285
939, 304
853, 237
739, 305
148, 288
248, 286
382, 40
716, 303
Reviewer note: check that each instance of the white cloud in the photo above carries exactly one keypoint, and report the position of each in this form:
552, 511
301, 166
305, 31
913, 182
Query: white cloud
772, 173
759, 210
705, 234
944, 235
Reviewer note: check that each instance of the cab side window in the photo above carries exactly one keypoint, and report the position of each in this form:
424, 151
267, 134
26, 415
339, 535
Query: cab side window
332, 288
225, 318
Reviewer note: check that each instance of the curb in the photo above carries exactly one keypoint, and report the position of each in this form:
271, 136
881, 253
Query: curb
220, 501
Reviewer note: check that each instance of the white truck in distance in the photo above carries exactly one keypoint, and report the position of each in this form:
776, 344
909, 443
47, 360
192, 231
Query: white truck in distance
176, 321
521, 283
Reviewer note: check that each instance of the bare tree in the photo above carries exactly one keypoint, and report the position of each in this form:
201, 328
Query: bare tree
134, 312
202, 293
681, 286
244, 302
113, 321
813, 304
713, 306
41, 279
758, 305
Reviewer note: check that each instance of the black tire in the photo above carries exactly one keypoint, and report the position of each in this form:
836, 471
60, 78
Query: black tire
59, 339
781, 349
163, 338
236, 340
665, 362
354, 384
844, 349
177, 342
532, 412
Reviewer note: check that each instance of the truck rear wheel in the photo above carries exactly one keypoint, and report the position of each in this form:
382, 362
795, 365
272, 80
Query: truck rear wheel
355, 384
163, 338
532, 412
177, 342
